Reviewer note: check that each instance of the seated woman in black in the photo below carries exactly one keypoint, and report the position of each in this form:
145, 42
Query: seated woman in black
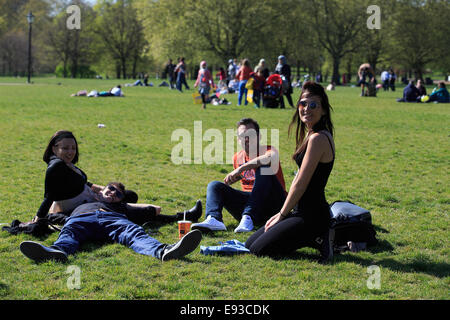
305, 217
66, 185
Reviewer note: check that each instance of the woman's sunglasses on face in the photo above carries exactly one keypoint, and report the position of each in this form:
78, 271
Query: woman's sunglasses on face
118, 193
312, 105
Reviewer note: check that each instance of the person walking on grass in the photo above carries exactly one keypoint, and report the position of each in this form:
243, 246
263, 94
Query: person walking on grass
242, 76
304, 219
180, 69
109, 220
263, 188
204, 81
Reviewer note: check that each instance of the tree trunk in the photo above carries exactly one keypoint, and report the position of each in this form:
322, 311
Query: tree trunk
124, 67
65, 69
74, 67
336, 77
118, 71
135, 61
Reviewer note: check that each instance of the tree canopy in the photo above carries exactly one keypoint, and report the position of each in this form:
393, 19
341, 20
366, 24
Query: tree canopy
122, 38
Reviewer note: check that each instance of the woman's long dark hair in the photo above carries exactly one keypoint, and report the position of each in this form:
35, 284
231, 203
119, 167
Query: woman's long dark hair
325, 123
58, 136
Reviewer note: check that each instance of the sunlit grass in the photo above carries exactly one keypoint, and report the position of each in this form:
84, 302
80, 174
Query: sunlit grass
391, 158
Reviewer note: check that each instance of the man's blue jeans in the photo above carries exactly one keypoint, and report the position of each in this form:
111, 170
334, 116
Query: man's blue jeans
181, 79
257, 97
242, 92
265, 200
104, 226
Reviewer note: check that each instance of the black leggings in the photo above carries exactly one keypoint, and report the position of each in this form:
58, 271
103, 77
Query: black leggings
285, 237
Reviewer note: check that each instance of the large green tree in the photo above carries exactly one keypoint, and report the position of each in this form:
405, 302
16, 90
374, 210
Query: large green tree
216, 30
121, 31
420, 34
338, 24
74, 48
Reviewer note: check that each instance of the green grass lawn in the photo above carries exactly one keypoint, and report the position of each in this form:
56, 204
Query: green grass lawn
391, 158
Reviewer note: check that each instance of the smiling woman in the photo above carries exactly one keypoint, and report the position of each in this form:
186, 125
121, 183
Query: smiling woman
66, 186
304, 219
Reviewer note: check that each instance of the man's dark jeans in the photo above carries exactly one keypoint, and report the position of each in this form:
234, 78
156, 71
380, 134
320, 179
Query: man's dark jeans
265, 200
106, 226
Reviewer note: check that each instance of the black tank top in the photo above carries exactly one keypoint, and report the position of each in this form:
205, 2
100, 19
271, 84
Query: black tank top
313, 206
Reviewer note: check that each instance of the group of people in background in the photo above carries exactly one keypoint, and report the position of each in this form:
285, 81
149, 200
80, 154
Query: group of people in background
238, 77
418, 93
176, 74
388, 79
255, 85
411, 93
258, 78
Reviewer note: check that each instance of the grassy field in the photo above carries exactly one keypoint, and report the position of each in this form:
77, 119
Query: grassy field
392, 159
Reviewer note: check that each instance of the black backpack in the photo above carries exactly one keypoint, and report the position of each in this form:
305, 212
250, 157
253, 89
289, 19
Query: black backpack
351, 223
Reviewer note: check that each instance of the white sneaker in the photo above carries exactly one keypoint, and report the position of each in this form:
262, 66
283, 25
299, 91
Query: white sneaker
210, 224
246, 224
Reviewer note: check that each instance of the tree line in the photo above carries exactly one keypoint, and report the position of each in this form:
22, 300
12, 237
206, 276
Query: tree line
123, 38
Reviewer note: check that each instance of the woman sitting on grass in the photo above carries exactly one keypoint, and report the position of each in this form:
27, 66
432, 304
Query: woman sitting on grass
304, 218
66, 186
440, 94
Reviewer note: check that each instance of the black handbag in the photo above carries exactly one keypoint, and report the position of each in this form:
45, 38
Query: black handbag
351, 223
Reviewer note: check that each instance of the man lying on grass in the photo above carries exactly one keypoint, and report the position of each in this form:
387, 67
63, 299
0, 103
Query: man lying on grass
109, 219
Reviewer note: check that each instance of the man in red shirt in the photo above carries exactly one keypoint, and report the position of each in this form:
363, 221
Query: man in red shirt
263, 187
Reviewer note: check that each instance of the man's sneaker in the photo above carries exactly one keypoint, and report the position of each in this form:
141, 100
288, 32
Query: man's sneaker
186, 245
246, 224
37, 252
326, 246
210, 224
192, 214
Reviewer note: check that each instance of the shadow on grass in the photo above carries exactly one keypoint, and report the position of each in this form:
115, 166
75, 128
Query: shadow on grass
436, 269
4, 289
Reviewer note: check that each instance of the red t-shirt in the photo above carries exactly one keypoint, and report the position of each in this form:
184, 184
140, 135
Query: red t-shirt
248, 177
243, 73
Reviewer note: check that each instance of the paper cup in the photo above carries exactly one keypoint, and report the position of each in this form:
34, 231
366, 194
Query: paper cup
183, 228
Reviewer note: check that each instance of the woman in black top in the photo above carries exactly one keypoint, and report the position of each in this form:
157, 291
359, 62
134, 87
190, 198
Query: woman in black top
65, 184
304, 218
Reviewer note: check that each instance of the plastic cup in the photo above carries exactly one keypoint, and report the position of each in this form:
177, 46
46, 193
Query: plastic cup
183, 228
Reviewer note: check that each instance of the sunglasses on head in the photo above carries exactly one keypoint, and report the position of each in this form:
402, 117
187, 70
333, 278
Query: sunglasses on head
312, 105
119, 194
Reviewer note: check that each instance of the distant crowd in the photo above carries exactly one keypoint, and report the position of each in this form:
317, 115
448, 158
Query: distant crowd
266, 88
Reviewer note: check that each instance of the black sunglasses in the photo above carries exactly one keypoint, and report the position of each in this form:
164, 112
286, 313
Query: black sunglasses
118, 192
312, 105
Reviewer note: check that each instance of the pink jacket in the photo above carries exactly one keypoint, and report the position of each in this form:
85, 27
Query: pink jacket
205, 78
